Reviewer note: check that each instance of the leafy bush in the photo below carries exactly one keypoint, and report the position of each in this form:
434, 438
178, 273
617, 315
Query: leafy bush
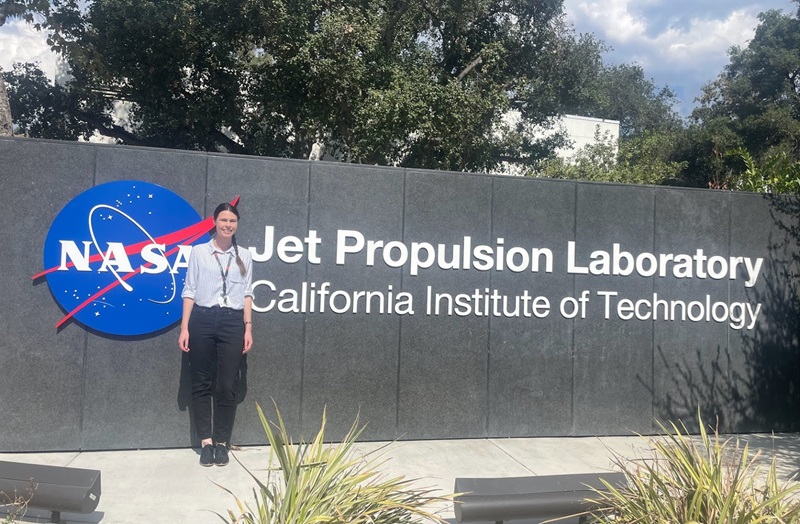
777, 173
699, 480
319, 483
643, 159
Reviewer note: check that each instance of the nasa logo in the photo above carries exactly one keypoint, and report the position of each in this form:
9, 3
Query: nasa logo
116, 257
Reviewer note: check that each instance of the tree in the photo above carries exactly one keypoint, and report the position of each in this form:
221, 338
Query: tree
398, 82
56, 115
651, 131
753, 104
6, 124
778, 174
25, 9
10, 9
642, 159
624, 93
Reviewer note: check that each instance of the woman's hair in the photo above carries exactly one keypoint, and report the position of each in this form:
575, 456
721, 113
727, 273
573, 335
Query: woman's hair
230, 207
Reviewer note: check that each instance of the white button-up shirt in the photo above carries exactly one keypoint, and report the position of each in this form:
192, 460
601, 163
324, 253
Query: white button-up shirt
204, 276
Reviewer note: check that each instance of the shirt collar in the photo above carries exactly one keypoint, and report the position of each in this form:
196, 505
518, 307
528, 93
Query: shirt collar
212, 248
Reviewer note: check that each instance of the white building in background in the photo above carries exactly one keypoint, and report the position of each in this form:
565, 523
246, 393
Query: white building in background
584, 130
581, 131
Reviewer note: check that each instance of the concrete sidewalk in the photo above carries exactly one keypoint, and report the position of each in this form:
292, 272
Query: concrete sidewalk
169, 487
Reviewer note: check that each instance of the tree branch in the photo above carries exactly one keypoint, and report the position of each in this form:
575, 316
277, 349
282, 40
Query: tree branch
518, 160
6, 122
388, 34
472, 65
112, 131
231, 145
120, 133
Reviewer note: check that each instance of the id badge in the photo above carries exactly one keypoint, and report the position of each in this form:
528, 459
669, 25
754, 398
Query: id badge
224, 301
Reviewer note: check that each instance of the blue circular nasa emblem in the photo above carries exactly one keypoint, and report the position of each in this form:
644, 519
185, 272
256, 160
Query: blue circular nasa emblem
115, 257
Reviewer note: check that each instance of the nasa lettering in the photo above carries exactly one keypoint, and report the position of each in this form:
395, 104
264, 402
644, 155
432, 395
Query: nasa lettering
115, 257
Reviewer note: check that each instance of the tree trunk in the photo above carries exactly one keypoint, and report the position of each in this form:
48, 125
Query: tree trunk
6, 128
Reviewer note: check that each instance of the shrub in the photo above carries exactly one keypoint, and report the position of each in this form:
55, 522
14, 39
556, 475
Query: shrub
643, 159
699, 480
319, 483
777, 173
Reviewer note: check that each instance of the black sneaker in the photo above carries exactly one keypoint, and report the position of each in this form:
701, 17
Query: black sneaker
221, 455
207, 455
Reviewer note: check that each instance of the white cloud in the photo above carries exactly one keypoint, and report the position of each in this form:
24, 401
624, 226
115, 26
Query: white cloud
618, 23
684, 46
19, 42
614, 18
704, 39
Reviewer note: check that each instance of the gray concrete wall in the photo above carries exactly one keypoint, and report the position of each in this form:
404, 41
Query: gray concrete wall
412, 376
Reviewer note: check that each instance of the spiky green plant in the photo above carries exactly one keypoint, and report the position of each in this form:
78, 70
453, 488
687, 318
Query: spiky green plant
698, 480
318, 483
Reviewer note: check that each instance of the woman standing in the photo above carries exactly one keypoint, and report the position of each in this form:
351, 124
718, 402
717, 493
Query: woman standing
216, 330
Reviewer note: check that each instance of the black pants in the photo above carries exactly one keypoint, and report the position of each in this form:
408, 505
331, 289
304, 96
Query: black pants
216, 341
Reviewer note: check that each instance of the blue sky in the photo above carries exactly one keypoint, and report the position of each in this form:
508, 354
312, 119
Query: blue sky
680, 43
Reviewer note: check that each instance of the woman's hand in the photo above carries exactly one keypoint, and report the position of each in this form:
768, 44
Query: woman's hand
183, 340
248, 339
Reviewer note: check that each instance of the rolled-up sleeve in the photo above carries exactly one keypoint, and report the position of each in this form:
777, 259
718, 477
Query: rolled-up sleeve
192, 275
248, 291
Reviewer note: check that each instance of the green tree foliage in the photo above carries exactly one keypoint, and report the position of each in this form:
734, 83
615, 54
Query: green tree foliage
777, 174
26, 9
5, 111
643, 159
754, 104
651, 131
399, 82
54, 115
624, 93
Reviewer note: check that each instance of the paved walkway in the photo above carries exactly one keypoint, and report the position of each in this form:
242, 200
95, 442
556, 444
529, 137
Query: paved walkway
169, 487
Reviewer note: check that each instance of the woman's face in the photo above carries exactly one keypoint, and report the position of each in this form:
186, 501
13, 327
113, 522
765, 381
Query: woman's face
226, 223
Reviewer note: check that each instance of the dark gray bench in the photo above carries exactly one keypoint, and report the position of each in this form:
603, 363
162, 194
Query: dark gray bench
541, 497
54, 488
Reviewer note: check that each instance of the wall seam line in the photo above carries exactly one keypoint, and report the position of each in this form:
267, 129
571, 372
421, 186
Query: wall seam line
653, 325
487, 411
730, 251
572, 331
301, 403
205, 189
400, 320
84, 366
